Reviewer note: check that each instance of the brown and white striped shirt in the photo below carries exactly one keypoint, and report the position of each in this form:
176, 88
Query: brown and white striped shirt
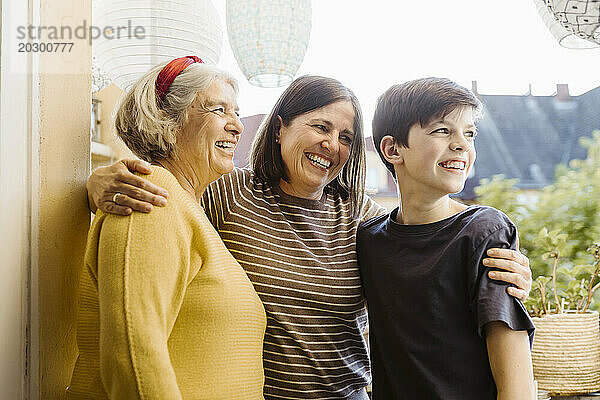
301, 257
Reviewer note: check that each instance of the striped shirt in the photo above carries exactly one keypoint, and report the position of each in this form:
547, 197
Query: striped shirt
300, 255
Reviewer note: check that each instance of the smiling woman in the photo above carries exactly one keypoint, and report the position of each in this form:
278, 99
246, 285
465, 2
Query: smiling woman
314, 104
318, 145
211, 153
165, 310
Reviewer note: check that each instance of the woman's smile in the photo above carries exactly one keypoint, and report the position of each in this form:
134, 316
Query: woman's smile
315, 146
319, 161
226, 146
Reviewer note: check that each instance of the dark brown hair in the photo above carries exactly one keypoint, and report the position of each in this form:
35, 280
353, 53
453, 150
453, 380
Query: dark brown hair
304, 94
417, 101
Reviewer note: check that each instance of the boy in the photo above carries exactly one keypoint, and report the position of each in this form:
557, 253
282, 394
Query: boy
439, 327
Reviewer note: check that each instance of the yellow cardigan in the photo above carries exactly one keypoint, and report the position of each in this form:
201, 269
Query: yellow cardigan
165, 311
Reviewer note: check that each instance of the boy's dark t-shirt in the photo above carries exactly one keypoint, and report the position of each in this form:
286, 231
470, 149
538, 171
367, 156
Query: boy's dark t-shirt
429, 297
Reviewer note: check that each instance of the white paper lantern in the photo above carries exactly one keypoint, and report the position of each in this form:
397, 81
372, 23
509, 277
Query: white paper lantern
147, 32
574, 23
269, 38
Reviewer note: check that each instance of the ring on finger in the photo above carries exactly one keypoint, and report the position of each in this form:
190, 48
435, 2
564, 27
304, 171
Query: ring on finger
115, 197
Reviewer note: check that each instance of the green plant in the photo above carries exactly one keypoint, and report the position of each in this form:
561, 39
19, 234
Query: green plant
570, 205
568, 288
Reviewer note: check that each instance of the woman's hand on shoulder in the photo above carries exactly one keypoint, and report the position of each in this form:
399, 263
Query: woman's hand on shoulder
116, 190
516, 270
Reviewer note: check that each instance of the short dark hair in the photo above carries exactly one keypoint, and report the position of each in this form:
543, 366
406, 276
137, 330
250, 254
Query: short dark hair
305, 94
417, 101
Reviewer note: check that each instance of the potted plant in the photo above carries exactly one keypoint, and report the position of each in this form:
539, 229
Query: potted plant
566, 347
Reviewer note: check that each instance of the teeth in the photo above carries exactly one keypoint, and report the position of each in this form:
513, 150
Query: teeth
225, 145
453, 164
319, 160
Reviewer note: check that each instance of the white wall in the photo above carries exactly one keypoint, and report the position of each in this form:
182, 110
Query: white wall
15, 179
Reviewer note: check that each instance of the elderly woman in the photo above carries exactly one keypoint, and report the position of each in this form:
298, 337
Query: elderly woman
166, 312
290, 220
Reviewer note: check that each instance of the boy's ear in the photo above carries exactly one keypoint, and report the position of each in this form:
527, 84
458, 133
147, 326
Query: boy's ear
391, 150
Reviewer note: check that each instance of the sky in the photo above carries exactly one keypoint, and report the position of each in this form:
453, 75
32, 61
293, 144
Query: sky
370, 45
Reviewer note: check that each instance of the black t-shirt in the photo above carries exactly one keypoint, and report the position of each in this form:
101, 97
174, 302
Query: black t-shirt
429, 297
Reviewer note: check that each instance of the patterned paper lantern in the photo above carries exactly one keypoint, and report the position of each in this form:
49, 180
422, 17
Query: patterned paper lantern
574, 23
138, 34
269, 38
99, 79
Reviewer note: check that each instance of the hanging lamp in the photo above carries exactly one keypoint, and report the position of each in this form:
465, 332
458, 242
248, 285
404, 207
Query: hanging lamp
574, 24
99, 79
269, 38
143, 33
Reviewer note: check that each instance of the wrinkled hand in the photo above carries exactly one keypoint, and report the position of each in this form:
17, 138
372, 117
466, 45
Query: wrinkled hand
516, 271
134, 192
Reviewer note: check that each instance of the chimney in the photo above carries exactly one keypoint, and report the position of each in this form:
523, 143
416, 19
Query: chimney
562, 92
474, 88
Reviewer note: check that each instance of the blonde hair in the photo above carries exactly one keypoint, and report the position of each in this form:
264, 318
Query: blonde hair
149, 127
